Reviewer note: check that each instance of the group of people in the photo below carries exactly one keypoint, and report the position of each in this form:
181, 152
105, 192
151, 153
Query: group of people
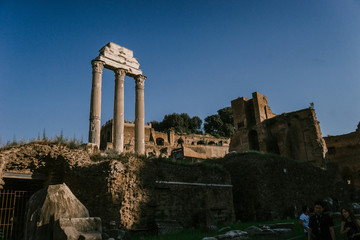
320, 226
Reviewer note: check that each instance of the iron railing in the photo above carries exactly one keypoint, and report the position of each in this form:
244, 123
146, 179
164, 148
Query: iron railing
12, 213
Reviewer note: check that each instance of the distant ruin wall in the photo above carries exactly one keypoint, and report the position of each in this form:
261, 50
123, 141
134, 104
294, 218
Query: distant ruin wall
161, 144
106, 135
296, 134
345, 151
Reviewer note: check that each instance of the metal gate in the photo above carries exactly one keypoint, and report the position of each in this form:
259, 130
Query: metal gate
12, 213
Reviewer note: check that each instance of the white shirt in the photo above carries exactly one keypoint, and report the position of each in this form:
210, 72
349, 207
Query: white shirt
305, 220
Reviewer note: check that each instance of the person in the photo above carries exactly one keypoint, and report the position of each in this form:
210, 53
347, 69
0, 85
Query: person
321, 226
304, 219
311, 212
349, 224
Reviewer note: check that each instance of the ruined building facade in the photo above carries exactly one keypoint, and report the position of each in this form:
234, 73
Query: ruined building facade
345, 151
160, 144
296, 134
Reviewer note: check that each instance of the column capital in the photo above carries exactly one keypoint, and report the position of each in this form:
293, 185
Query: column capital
140, 81
120, 73
97, 66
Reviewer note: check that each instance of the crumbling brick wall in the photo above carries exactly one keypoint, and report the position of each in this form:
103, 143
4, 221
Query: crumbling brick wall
2, 166
295, 134
345, 151
267, 185
135, 184
124, 189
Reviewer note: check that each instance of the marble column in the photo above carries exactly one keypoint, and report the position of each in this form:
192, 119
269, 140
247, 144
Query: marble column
118, 122
139, 115
95, 104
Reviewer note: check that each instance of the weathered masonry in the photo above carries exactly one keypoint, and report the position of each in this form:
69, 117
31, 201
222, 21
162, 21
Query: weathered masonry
295, 134
345, 151
160, 144
121, 61
130, 191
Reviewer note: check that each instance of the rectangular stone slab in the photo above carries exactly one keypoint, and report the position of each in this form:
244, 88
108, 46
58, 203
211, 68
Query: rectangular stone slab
115, 56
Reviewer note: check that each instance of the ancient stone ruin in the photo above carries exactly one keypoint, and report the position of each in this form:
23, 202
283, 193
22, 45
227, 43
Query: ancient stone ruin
170, 144
55, 213
122, 62
146, 190
128, 191
296, 134
345, 151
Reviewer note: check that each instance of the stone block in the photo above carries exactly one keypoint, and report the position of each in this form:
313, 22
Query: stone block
236, 233
77, 228
115, 56
47, 206
168, 226
289, 225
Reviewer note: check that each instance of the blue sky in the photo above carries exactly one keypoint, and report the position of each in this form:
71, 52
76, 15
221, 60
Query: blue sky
197, 55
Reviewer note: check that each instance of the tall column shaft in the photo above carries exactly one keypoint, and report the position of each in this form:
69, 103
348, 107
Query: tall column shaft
118, 122
139, 115
95, 104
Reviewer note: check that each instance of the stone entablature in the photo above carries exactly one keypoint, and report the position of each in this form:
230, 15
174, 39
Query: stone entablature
118, 57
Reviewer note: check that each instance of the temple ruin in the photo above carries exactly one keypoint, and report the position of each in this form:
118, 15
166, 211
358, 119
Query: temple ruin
121, 61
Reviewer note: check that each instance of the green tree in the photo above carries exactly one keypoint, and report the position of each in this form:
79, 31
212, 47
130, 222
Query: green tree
221, 124
174, 120
195, 123
226, 115
179, 122
228, 129
156, 125
213, 124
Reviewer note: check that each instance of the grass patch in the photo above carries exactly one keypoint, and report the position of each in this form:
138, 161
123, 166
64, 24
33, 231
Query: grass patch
197, 234
261, 154
188, 163
112, 154
71, 143
190, 234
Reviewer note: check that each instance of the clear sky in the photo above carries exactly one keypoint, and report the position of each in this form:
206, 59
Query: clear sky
197, 55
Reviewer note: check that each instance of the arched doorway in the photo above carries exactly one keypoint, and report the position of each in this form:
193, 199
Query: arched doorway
253, 140
160, 141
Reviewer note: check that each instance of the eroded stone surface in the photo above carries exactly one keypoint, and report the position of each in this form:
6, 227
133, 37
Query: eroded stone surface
115, 56
124, 191
296, 134
47, 206
345, 151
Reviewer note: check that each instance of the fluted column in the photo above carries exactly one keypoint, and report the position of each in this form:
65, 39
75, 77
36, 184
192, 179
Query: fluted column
95, 104
139, 115
118, 122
